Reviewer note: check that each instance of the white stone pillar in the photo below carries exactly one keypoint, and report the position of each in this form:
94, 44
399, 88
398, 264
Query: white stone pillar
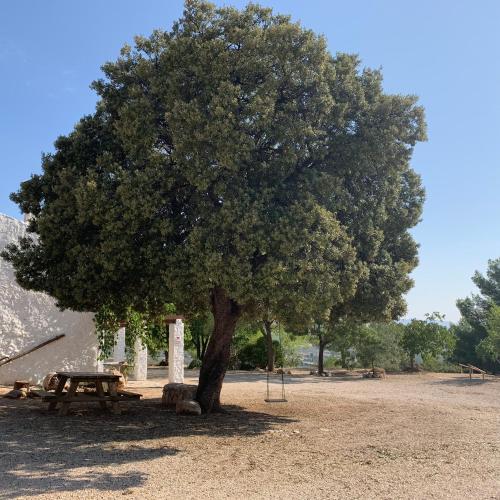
99, 364
140, 371
176, 352
119, 348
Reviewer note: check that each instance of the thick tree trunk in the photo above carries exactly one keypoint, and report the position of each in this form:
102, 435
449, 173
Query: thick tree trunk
269, 344
322, 344
226, 314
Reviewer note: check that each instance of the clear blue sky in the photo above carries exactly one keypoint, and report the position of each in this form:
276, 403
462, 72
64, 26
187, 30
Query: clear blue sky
446, 52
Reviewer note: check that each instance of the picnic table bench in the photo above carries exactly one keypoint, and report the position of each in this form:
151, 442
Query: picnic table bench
65, 398
472, 369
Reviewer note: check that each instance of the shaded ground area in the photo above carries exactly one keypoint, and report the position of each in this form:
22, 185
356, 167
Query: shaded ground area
408, 436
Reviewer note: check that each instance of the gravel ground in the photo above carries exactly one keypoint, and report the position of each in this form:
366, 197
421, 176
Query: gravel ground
405, 437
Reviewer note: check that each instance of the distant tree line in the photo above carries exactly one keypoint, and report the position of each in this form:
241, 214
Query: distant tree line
393, 345
430, 343
475, 339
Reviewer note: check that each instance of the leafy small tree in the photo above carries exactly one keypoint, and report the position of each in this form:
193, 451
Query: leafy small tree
472, 329
489, 347
319, 331
267, 332
370, 347
198, 331
347, 337
427, 338
343, 337
392, 356
151, 331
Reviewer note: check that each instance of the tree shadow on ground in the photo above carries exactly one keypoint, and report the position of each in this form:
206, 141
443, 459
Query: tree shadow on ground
464, 381
41, 452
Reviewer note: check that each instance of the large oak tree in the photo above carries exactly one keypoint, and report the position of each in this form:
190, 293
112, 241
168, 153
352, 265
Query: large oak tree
233, 165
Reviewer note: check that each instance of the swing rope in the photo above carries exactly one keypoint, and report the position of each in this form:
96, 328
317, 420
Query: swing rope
283, 397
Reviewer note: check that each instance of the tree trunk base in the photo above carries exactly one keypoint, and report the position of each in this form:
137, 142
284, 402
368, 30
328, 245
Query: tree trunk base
215, 361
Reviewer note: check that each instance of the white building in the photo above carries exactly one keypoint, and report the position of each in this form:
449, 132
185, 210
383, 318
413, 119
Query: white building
29, 318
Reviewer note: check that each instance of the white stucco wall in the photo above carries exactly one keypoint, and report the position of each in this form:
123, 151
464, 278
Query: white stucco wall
29, 318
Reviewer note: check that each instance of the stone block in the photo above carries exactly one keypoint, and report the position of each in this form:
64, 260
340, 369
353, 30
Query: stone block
187, 408
122, 381
22, 384
50, 382
378, 373
375, 373
173, 393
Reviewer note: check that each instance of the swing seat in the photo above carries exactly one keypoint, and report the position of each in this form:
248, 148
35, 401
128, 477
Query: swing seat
282, 399
281, 372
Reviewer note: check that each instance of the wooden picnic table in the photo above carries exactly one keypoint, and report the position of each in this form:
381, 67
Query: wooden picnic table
472, 369
102, 396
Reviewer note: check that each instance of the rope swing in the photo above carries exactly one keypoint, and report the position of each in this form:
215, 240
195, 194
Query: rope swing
283, 397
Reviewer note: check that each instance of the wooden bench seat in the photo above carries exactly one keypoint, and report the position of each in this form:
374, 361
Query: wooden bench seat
45, 395
129, 395
86, 396
74, 394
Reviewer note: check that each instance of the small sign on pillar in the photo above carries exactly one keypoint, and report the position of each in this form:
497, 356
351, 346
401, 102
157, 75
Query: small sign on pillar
176, 350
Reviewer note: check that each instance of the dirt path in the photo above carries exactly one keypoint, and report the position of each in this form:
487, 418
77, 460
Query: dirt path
408, 436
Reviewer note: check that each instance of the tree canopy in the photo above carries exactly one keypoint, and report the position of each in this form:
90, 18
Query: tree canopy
427, 337
489, 347
478, 315
233, 165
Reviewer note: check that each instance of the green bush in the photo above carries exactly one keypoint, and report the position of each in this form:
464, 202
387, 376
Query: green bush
249, 348
433, 364
254, 354
385, 351
332, 362
195, 363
